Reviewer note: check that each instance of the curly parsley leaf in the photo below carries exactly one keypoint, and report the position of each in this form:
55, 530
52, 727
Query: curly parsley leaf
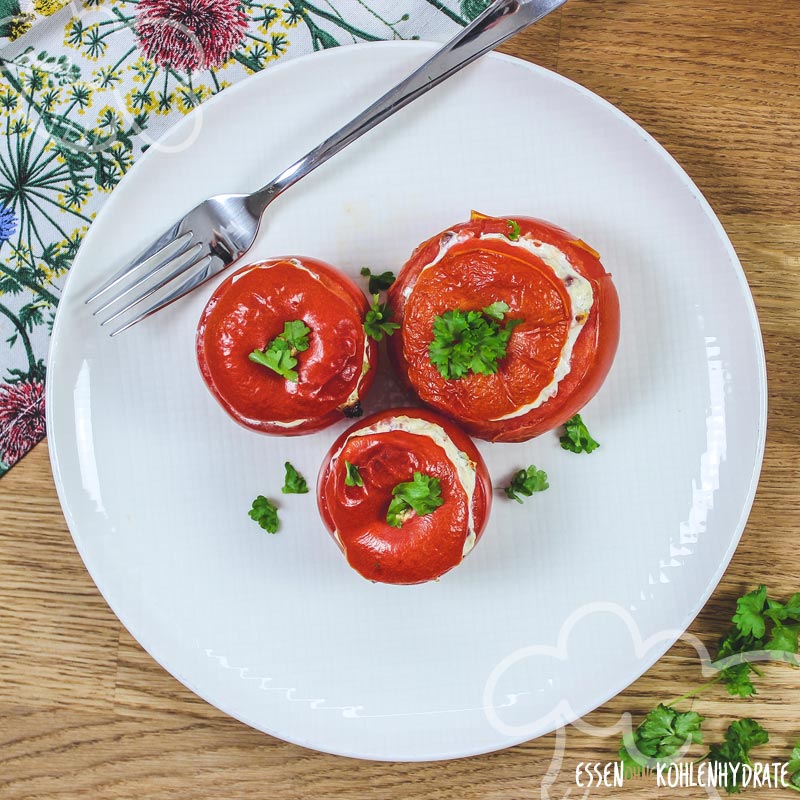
496, 310
279, 355
378, 321
513, 230
294, 482
659, 737
793, 768
577, 438
265, 514
353, 477
378, 282
741, 736
470, 341
737, 675
526, 482
422, 495
749, 616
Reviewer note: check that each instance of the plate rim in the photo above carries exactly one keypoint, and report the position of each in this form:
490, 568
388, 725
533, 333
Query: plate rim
425, 47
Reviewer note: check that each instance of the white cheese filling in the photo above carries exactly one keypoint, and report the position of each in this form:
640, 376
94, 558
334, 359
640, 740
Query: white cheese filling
578, 288
355, 394
465, 468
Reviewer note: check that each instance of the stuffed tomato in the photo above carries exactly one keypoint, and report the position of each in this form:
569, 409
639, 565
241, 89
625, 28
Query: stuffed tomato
282, 347
509, 326
405, 495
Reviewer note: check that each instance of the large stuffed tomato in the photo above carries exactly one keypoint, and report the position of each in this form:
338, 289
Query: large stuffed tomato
377, 463
508, 326
281, 345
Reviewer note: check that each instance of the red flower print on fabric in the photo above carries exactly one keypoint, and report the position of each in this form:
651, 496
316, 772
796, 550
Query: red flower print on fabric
188, 35
21, 419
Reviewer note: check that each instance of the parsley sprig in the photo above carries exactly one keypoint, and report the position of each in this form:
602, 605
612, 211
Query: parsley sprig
265, 514
759, 624
470, 341
353, 476
378, 282
280, 354
741, 736
793, 768
659, 737
577, 438
422, 495
378, 320
294, 482
525, 482
513, 230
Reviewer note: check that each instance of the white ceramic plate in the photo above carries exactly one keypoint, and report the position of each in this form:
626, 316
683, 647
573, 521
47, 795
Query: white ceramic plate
542, 621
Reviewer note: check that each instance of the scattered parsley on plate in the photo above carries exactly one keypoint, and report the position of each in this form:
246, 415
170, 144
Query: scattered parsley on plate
526, 482
422, 495
265, 514
294, 483
279, 355
470, 341
577, 438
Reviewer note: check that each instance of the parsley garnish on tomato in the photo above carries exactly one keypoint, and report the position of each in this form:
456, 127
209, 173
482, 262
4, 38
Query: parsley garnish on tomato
513, 230
470, 341
577, 438
422, 495
378, 321
353, 477
265, 514
378, 282
279, 355
294, 483
525, 482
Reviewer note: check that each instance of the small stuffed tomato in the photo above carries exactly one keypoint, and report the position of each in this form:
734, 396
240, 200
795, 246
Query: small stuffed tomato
281, 345
509, 326
405, 495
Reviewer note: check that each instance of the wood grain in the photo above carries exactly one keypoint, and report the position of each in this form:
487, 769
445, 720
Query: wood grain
86, 713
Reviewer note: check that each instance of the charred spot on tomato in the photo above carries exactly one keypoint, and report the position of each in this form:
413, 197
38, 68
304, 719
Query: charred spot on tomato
353, 410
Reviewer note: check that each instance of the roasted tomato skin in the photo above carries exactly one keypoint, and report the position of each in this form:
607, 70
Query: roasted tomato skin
425, 547
249, 309
592, 354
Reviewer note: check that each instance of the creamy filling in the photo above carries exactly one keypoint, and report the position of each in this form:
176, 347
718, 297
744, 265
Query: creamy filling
578, 288
464, 466
355, 394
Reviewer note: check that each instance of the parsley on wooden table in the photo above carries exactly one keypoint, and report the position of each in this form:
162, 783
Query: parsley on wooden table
353, 476
470, 341
294, 482
793, 768
378, 320
734, 750
525, 482
265, 514
659, 737
577, 438
279, 355
422, 495
378, 282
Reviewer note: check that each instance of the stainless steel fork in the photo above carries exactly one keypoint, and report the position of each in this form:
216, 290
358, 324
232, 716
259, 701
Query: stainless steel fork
221, 229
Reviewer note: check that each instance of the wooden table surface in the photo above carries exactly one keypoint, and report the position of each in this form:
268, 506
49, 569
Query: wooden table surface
84, 712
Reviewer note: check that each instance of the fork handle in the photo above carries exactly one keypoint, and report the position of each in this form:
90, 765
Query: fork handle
498, 22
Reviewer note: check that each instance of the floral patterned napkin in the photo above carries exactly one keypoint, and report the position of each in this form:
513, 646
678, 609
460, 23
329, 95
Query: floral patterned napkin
85, 89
